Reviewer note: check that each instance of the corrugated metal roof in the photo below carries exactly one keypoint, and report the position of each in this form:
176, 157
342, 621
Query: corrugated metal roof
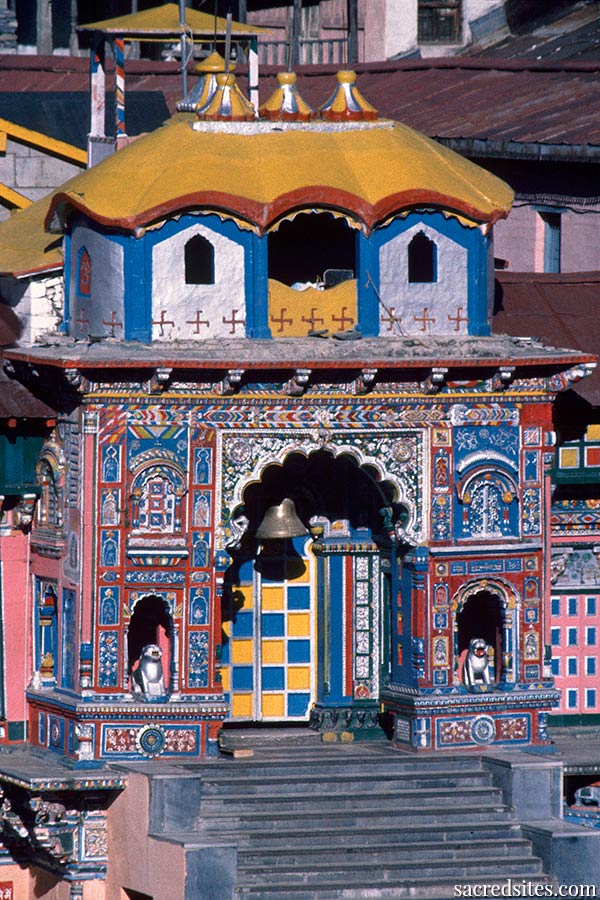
560, 310
15, 400
10, 326
518, 102
492, 100
569, 34
17, 403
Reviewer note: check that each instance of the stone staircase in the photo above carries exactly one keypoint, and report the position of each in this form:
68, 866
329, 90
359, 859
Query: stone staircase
311, 821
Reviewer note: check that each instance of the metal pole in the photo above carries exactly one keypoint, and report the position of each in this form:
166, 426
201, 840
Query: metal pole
183, 49
228, 42
352, 31
296, 14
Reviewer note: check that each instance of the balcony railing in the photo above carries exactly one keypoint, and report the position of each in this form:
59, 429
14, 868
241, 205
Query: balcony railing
312, 51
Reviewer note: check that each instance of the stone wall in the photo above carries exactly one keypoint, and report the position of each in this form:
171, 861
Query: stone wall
32, 172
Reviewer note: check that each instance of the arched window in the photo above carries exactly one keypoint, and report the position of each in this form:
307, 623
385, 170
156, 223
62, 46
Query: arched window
488, 503
422, 260
199, 261
157, 490
84, 274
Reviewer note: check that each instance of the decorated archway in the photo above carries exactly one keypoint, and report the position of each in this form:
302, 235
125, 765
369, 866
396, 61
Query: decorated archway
487, 609
305, 619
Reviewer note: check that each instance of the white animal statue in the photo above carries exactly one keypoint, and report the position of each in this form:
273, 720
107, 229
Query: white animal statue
147, 679
476, 668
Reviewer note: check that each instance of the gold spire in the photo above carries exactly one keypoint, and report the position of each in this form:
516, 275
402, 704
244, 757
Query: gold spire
285, 103
347, 104
228, 103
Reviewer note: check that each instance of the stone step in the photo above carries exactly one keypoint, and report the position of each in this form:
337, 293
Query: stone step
360, 800
291, 781
324, 873
343, 762
319, 836
269, 736
257, 858
426, 888
339, 817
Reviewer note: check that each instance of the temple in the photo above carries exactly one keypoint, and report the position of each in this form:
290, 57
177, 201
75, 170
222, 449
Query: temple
287, 474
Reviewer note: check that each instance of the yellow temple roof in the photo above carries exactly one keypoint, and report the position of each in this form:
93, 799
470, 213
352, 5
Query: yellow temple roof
260, 172
164, 22
25, 246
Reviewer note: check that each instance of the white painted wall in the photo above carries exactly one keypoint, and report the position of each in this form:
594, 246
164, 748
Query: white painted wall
476, 9
176, 302
444, 298
390, 28
38, 301
107, 289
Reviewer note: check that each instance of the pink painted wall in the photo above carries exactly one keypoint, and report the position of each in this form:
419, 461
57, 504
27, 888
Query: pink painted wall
137, 862
577, 627
514, 239
581, 241
520, 240
16, 610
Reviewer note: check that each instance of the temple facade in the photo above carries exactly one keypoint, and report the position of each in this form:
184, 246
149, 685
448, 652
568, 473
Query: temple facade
259, 311
283, 473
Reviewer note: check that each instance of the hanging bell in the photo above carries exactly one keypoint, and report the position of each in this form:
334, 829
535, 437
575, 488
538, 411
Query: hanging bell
280, 522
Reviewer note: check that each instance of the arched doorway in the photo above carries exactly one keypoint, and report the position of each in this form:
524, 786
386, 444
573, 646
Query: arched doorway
304, 619
151, 623
481, 616
305, 248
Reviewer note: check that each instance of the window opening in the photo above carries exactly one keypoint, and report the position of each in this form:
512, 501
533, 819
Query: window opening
84, 287
422, 260
552, 241
439, 21
312, 248
199, 261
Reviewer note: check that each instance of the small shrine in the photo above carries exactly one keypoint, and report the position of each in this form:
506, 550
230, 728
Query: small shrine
294, 478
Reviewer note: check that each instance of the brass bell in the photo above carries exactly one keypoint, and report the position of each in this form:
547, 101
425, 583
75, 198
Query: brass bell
280, 522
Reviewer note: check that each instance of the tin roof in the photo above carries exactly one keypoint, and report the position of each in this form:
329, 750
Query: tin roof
17, 403
556, 33
482, 106
10, 326
561, 310
15, 400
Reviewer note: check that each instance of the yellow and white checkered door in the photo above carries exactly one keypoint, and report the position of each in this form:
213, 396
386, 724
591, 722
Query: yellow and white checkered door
268, 660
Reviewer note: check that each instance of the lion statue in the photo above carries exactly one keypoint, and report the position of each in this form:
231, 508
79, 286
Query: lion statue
476, 668
147, 678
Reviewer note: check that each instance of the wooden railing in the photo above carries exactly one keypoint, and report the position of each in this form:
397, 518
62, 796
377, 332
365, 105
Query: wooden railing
312, 51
